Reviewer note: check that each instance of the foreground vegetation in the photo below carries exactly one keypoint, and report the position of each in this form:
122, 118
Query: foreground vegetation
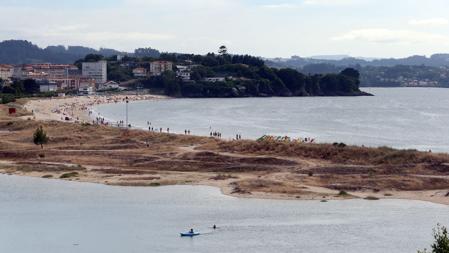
441, 244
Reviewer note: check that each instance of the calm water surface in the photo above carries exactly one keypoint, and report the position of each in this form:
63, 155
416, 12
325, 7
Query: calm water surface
49, 216
415, 118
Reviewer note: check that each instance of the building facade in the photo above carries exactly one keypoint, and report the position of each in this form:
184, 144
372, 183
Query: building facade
140, 72
47, 86
96, 70
159, 67
183, 72
6, 71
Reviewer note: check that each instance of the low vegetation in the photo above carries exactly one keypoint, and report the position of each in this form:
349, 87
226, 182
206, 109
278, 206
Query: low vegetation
69, 175
371, 198
441, 244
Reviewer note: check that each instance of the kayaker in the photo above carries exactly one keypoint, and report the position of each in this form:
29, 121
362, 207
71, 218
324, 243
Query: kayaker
214, 227
191, 231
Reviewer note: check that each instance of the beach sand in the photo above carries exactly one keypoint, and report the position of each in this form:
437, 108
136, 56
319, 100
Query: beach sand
77, 109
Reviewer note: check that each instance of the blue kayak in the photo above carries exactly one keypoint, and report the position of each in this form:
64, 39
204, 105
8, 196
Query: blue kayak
189, 234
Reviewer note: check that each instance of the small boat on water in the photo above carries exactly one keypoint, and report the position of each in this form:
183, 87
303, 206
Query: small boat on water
189, 234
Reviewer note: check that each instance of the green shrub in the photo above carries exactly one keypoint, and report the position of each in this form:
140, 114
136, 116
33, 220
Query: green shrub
69, 175
7, 98
343, 193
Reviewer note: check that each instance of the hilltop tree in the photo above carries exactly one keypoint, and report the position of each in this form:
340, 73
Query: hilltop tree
40, 137
223, 50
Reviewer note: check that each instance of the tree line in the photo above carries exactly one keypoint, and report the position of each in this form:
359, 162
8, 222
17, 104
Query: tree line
247, 76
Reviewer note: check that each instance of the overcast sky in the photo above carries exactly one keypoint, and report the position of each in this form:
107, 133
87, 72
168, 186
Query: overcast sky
371, 28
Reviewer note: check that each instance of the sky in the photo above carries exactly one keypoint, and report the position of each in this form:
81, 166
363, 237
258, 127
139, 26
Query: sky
268, 28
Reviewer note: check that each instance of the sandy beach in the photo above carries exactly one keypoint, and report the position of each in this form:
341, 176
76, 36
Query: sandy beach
76, 109
251, 169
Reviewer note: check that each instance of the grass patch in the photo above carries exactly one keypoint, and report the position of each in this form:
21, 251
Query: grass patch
47, 176
156, 184
371, 198
69, 175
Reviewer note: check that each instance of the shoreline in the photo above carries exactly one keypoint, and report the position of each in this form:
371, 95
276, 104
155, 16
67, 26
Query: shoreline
225, 191
142, 158
77, 108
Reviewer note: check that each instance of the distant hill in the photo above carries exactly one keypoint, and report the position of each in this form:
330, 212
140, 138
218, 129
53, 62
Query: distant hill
22, 51
415, 71
436, 60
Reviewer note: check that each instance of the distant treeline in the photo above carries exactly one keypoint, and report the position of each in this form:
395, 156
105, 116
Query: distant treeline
382, 76
23, 52
248, 76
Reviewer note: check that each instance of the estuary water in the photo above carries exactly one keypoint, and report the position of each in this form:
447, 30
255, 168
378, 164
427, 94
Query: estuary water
406, 118
51, 216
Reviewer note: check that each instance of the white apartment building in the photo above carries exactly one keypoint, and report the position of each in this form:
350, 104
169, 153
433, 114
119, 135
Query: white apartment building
96, 70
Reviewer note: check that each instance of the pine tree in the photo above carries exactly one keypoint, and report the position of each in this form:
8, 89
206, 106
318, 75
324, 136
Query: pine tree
223, 50
40, 137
